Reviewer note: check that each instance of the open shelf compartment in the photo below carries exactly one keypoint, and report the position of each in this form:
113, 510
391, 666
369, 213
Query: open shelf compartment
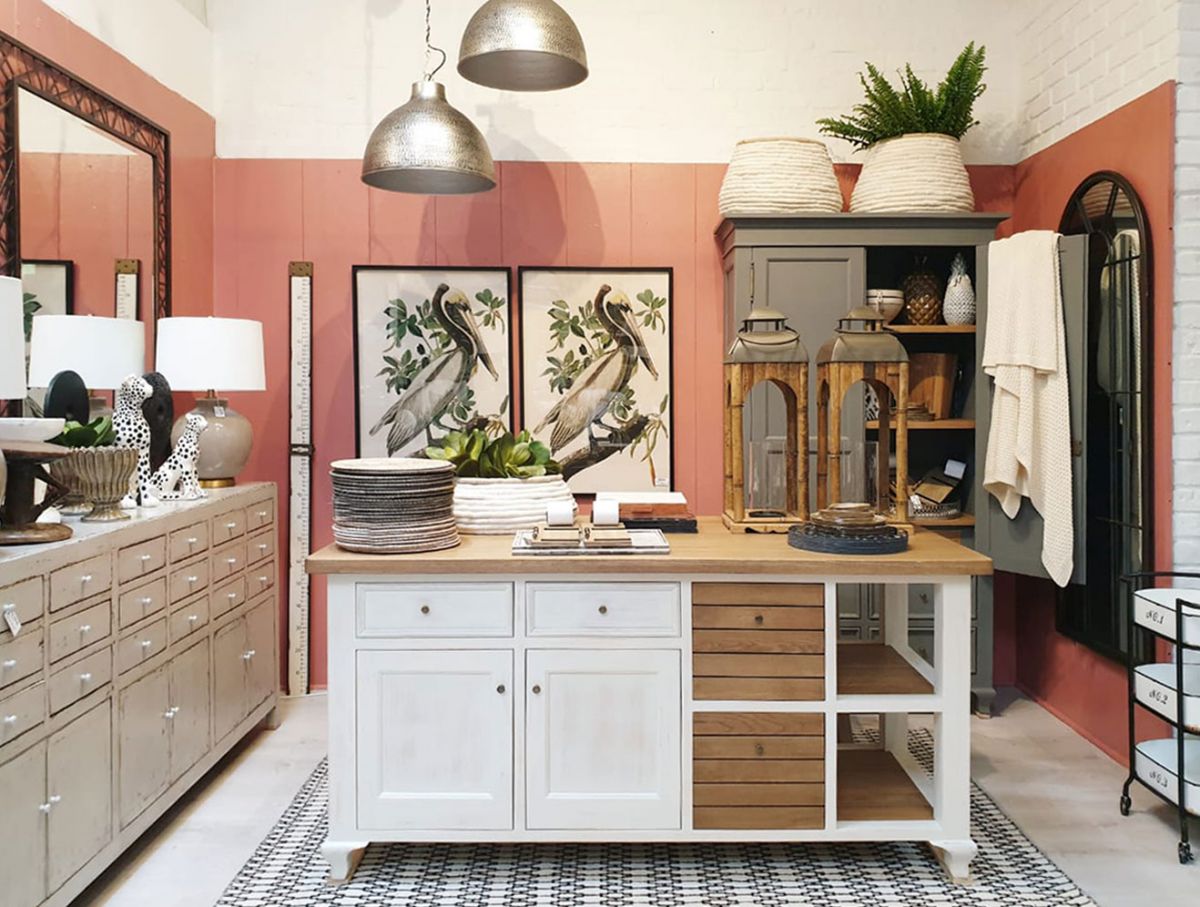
877, 669
884, 768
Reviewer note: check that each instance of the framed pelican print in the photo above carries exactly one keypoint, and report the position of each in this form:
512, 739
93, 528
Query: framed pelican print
596, 373
431, 355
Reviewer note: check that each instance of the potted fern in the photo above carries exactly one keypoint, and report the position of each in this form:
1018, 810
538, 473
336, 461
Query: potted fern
504, 482
911, 134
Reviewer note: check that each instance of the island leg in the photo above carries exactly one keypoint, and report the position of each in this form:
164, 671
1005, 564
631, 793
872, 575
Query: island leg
956, 857
343, 858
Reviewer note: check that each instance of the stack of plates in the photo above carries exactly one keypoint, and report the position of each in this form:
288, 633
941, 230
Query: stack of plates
393, 506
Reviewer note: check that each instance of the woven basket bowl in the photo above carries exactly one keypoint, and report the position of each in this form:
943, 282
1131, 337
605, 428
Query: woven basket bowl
103, 478
504, 506
780, 176
921, 172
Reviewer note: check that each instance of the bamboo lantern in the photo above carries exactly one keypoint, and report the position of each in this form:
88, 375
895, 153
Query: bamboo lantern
766, 350
863, 350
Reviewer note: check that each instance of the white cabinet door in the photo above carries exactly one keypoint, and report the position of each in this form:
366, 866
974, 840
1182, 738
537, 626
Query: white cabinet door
191, 705
145, 750
79, 781
23, 809
435, 740
602, 739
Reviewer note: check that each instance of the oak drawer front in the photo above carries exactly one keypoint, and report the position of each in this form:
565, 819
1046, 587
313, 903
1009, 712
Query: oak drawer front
261, 546
228, 525
76, 582
260, 578
141, 646
22, 712
260, 515
758, 770
228, 560
188, 541
228, 596
444, 609
141, 602
758, 665
20, 657
188, 580
188, 617
87, 675
23, 599
141, 559
602, 609
71, 634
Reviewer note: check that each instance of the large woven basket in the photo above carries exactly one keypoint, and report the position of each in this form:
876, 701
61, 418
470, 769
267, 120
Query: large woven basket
918, 172
780, 176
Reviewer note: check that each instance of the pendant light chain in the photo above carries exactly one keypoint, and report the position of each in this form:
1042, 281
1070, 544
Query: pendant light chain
429, 47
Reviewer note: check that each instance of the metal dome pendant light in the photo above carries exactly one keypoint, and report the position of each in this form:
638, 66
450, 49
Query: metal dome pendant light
522, 45
426, 146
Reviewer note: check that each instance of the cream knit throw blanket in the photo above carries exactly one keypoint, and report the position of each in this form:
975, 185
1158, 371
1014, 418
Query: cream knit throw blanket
1025, 351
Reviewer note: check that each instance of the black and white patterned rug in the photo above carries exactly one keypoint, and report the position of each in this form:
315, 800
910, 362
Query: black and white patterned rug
287, 871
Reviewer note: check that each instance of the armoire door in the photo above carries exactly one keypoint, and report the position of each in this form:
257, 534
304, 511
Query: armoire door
192, 707
23, 845
79, 784
435, 748
602, 748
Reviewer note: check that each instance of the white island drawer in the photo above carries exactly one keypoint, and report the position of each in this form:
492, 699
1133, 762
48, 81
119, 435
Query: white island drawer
434, 609
602, 609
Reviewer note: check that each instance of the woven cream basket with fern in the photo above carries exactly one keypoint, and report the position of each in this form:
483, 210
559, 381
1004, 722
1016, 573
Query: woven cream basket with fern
922, 172
780, 176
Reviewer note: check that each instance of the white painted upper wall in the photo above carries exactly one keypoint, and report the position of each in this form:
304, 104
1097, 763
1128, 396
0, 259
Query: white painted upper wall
671, 80
162, 37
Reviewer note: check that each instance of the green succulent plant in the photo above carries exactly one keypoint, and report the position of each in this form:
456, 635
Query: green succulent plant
506, 456
887, 112
97, 433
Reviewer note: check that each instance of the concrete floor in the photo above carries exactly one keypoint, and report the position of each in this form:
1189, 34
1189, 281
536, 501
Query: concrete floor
1059, 789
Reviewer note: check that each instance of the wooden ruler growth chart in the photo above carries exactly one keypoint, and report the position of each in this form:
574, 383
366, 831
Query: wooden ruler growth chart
300, 288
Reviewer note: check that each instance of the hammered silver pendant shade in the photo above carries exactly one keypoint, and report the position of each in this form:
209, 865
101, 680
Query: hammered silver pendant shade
522, 45
429, 148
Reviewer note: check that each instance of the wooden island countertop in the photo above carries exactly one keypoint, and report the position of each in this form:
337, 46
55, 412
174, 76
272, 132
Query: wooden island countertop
713, 550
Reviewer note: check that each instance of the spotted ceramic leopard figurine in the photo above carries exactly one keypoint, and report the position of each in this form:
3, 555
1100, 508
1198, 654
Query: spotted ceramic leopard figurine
134, 431
176, 479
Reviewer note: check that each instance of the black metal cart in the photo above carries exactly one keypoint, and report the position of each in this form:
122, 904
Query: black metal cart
1139, 581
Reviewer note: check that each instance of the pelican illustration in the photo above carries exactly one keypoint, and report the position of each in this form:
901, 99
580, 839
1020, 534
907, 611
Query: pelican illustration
433, 390
595, 389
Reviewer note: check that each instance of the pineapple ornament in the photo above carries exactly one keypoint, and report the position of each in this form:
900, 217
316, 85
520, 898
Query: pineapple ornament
922, 295
959, 305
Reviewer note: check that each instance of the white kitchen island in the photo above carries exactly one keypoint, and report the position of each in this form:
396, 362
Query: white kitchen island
702, 695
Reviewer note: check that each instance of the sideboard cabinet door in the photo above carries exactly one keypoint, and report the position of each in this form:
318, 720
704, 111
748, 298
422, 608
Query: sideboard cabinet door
23, 849
261, 678
191, 705
79, 781
435, 740
145, 751
602, 739
229, 673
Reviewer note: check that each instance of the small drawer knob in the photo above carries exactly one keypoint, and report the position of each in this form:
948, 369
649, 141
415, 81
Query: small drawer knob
536, 689
192, 541
262, 514
231, 595
44, 807
145, 558
231, 561
9, 606
8, 664
264, 580
603, 609
424, 609
262, 546
55, 799
500, 689
146, 600
192, 618
85, 628
231, 525
85, 579
10, 719
85, 677
147, 643
758, 619
193, 579
758, 749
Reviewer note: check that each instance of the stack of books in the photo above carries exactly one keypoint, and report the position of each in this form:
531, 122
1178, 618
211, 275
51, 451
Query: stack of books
664, 510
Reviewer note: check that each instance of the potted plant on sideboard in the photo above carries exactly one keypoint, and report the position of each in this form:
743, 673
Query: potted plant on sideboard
911, 134
96, 471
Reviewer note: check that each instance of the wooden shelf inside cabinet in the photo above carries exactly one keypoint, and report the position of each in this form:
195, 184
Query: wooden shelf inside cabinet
931, 328
874, 669
965, 521
872, 787
934, 425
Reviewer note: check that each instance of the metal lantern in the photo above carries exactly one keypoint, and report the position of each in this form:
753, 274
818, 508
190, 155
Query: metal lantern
863, 350
522, 45
766, 350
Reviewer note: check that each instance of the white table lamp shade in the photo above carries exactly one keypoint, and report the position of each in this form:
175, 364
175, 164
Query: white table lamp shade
12, 340
223, 354
104, 351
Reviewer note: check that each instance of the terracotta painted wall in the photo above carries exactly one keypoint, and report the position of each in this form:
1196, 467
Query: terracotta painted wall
1086, 691
192, 136
270, 212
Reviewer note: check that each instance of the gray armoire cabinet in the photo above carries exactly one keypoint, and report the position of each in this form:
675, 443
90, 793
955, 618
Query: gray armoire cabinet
816, 268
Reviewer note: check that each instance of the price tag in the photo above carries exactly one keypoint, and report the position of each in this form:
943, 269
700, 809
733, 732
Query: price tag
219, 411
12, 619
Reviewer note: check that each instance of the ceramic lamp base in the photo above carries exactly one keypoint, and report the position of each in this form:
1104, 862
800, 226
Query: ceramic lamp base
224, 446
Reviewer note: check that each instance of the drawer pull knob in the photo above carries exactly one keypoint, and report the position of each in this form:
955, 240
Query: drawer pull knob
44, 808
231, 561
146, 557
146, 601
168, 714
192, 618
262, 514
231, 595
193, 579
85, 628
264, 580
191, 541
248, 654
758, 619
231, 525
9, 606
500, 689
147, 643
9, 664
424, 609
55, 798
10, 719
758, 749
85, 677
603, 609
536, 689
262, 546
85, 579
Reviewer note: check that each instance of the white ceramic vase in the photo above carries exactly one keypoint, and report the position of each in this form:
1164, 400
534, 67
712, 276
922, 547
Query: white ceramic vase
504, 506
780, 176
921, 172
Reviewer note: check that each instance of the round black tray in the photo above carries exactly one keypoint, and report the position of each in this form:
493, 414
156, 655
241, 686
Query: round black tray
821, 539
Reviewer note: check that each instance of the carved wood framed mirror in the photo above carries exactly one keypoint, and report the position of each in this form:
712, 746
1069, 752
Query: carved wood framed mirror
84, 185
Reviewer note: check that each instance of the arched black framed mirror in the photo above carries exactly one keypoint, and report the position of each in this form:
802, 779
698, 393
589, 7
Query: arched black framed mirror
1119, 432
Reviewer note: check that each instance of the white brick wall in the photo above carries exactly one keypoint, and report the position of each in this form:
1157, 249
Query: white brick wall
1082, 59
671, 80
1186, 353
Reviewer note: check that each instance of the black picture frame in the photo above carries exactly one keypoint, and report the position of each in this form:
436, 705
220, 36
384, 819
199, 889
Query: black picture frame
510, 308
